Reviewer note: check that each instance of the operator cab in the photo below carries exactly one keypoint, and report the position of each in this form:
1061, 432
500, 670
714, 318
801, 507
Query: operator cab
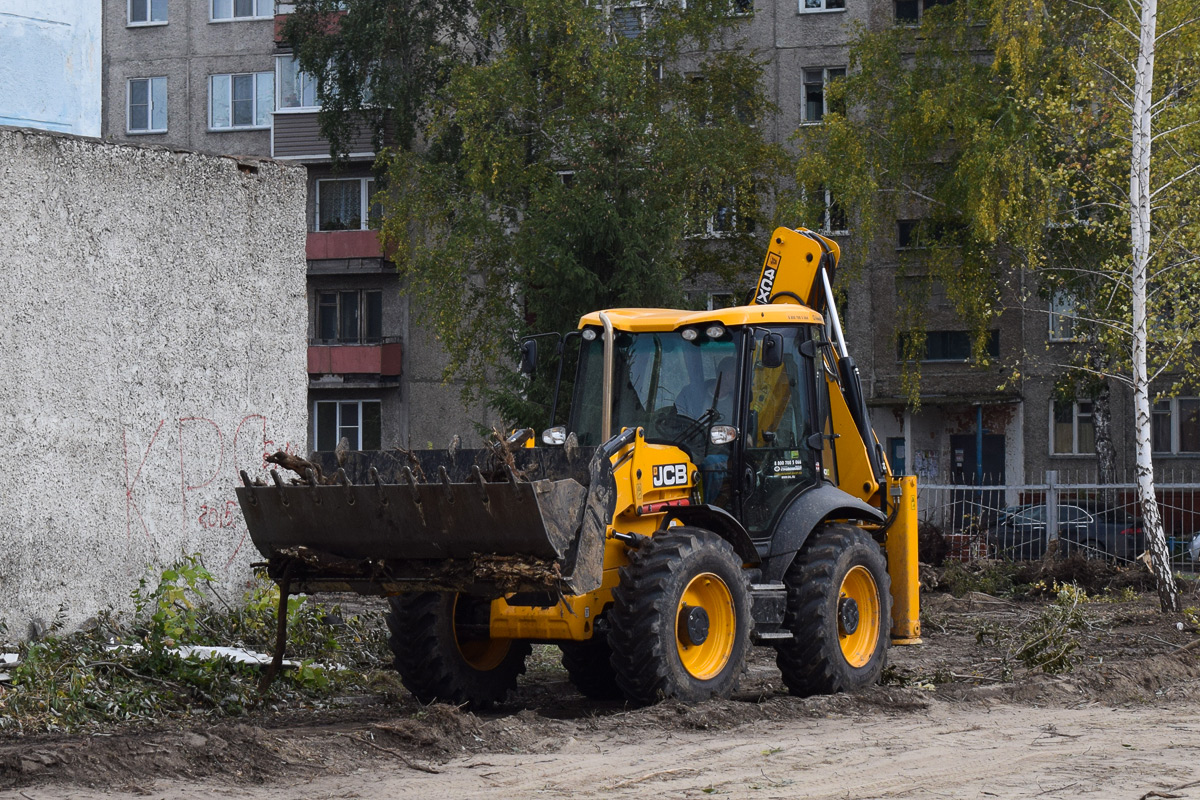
743, 401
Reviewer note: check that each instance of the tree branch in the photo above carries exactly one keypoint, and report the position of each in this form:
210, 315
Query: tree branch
1115, 376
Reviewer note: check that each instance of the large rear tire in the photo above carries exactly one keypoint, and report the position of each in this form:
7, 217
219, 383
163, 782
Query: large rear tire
680, 618
443, 653
839, 609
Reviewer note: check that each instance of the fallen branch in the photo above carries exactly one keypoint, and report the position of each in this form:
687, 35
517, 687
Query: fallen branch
407, 761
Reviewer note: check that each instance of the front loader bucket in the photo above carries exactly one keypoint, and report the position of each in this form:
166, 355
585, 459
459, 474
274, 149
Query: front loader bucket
454, 531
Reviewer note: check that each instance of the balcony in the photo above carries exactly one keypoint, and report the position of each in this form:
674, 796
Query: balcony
296, 136
342, 244
381, 358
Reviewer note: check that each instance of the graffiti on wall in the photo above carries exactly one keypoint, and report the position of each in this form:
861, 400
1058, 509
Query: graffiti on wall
192, 464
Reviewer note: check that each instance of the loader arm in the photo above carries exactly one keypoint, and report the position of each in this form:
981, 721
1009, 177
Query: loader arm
799, 268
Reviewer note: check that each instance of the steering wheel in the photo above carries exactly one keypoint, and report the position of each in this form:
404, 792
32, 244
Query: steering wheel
680, 429
670, 423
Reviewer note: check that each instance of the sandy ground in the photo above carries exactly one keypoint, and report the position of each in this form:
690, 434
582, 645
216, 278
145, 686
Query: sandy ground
955, 719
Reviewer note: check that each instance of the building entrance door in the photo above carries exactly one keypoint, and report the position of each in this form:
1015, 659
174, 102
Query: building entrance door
979, 506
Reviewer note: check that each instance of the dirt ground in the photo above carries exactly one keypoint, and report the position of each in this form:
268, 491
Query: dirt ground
956, 717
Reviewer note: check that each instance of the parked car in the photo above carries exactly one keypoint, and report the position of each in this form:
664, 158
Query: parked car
1020, 533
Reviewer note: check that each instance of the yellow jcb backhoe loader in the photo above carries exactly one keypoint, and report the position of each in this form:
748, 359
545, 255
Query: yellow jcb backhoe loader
718, 486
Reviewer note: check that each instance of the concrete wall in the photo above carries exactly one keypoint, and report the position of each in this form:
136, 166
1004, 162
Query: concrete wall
50, 65
153, 346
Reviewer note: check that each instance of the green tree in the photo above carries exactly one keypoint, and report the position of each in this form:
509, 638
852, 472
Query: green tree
1024, 129
567, 157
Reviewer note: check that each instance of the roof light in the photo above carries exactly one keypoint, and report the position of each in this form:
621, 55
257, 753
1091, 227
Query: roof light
690, 334
714, 331
589, 334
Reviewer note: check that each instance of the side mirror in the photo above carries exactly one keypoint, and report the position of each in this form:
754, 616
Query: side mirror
528, 356
772, 351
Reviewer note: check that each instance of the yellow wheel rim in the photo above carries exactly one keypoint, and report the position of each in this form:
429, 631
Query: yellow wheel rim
858, 616
705, 626
480, 654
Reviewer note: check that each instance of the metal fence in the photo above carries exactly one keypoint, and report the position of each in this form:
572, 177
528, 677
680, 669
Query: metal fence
1097, 519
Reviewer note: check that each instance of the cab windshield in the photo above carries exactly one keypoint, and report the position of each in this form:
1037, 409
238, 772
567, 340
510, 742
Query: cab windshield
673, 388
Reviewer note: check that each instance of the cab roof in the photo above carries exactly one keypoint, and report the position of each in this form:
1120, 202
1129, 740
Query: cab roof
639, 320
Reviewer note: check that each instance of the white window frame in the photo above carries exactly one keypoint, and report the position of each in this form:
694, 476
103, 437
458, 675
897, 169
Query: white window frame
129, 129
1176, 418
804, 84
709, 229
821, 7
357, 443
149, 22
827, 228
257, 4
365, 189
1076, 415
301, 76
228, 77
1061, 312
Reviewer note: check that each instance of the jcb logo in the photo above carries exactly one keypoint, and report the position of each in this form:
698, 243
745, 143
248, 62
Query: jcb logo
763, 296
670, 475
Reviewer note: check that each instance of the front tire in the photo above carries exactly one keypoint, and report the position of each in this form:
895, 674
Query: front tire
443, 654
680, 618
839, 611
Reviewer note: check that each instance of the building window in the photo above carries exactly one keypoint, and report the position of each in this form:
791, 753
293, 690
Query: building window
1062, 317
627, 21
242, 9
822, 5
340, 204
718, 300
147, 110
1175, 425
297, 89
949, 346
1072, 431
359, 422
910, 12
241, 101
350, 316
896, 453
906, 234
816, 95
918, 234
714, 215
147, 12
833, 216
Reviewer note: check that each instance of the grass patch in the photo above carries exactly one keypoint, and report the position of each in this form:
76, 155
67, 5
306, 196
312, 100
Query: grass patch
131, 671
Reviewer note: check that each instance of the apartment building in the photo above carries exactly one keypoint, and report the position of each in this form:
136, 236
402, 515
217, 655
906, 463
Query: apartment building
213, 76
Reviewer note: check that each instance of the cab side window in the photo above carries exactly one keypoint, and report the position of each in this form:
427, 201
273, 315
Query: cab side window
778, 424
